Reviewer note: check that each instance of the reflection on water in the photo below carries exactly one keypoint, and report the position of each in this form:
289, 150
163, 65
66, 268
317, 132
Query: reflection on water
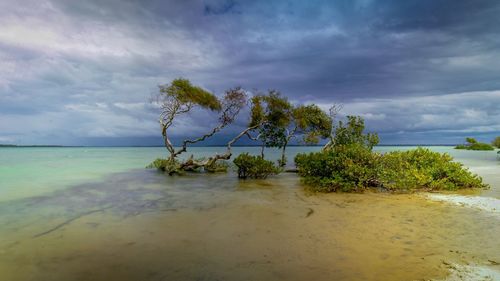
142, 225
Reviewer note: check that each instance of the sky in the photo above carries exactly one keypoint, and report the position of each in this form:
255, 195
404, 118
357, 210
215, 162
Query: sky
83, 72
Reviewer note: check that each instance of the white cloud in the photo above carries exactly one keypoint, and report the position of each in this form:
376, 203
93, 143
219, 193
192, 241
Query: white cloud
87, 68
130, 105
459, 112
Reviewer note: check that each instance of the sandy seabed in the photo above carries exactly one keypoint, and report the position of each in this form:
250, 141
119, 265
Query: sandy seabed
142, 225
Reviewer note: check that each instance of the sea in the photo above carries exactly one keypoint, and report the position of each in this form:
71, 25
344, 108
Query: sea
97, 213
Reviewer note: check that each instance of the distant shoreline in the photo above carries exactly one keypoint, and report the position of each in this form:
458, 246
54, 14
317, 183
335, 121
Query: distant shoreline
75, 146
15, 145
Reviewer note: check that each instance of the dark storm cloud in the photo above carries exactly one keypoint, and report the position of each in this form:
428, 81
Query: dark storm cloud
85, 69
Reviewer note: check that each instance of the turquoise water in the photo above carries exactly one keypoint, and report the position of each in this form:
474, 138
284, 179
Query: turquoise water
28, 171
97, 214
34, 171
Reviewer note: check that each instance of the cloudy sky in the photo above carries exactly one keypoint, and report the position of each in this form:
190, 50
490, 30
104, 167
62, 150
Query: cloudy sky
82, 72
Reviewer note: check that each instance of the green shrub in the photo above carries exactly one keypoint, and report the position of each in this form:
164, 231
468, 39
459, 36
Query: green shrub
175, 167
473, 144
217, 167
481, 146
355, 168
422, 168
345, 168
352, 132
166, 165
250, 166
496, 142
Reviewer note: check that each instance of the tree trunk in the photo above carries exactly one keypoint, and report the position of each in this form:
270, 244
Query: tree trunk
283, 157
191, 163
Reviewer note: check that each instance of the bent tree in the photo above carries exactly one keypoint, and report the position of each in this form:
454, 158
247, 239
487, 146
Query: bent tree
262, 116
333, 112
276, 121
269, 117
181, 97
308, 121
273, 121
272, 112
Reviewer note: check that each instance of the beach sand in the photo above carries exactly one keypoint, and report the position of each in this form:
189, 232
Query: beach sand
142, 225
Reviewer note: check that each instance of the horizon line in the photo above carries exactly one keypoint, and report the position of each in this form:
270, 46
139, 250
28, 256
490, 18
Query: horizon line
76, 146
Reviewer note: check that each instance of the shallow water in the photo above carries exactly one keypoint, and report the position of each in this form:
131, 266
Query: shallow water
31, 171
120, 223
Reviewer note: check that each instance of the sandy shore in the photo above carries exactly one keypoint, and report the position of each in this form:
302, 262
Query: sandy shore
472, 272
488, 271
487, 204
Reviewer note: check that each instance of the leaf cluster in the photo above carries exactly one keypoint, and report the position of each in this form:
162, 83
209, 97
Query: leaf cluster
272, 113
256, 167
169, 166
312, 123
352, 133
281, 120
347, 168
182, 91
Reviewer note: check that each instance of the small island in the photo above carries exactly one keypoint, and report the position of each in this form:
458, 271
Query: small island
473, 144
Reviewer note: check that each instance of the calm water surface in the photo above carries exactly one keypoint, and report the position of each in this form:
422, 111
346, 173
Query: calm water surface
96, 214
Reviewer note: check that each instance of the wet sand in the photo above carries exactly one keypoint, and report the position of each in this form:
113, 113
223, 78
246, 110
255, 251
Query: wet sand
145, 226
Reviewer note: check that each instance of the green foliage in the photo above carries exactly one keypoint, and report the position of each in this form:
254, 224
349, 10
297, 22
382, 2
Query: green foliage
481, 146
352, 133
424, 169
349, 165
256, 111
175, 167
278, 109
473, 144
496, 142
347, 168
250, 166
312, 122
217, 167
166, 165
354, 167
471, 140
272, 136
279, 121
185, 93
273, 111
